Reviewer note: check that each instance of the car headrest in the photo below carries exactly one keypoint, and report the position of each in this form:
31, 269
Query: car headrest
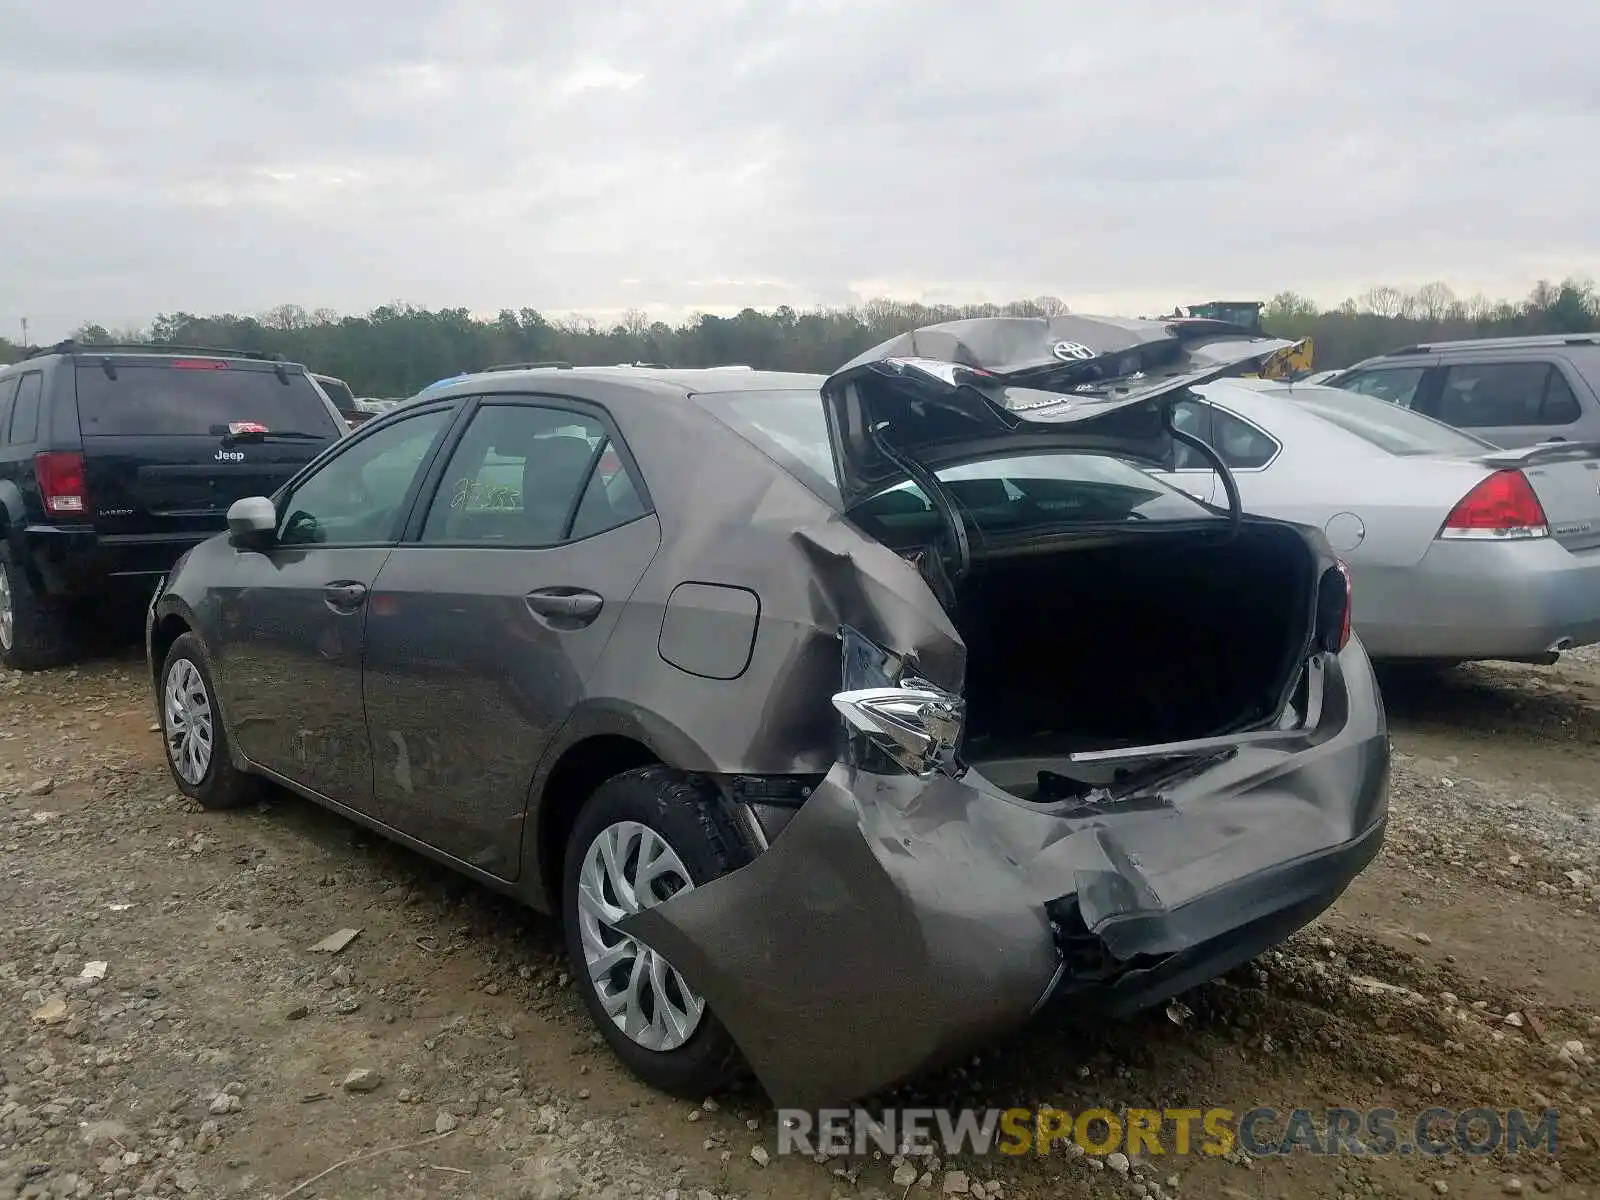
554, 468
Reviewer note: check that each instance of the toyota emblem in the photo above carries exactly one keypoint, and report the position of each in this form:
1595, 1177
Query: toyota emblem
1070, 351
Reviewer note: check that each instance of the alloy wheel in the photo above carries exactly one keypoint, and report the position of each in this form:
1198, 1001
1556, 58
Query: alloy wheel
629, 867
8, 616
186, 709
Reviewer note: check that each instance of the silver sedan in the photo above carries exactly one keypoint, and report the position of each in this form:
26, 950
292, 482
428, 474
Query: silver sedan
1458, 551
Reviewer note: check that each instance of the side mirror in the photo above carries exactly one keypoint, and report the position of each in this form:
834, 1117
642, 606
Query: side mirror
252, 521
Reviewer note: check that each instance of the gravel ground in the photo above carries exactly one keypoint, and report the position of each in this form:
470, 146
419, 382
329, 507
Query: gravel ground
167, 1029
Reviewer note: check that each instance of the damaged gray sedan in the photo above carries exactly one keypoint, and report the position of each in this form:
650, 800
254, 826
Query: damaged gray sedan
848, 723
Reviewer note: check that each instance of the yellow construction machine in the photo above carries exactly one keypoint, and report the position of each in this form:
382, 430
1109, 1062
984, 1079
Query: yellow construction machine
1291, 363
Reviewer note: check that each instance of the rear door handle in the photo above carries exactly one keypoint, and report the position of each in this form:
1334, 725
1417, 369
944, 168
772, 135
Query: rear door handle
565, 607
345, 596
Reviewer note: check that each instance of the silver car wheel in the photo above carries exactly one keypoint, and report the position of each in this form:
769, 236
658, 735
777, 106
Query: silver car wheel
8, 617
186, 710
629, 867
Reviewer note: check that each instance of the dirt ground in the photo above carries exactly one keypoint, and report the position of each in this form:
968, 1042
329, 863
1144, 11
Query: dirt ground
1461, 970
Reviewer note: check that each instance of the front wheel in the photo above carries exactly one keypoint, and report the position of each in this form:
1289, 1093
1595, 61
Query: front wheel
642, 838
191, 728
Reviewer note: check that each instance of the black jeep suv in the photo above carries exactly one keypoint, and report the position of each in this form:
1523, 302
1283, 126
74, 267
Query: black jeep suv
114, 460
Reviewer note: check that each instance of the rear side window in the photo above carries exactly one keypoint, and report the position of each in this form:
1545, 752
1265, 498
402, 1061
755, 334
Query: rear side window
1240, 444
1587, 362
1396, 430
1489, 395
1395, 385
341, 395
522, 472
1193, 418
150, 400
8, 392
25, 410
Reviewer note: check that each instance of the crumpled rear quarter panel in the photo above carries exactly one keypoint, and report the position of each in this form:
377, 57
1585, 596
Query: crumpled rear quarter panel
897, 922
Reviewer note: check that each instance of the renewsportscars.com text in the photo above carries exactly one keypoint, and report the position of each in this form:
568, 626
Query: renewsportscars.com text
1261, 1132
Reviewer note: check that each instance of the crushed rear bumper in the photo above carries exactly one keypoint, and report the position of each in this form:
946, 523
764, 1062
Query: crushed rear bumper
896, 922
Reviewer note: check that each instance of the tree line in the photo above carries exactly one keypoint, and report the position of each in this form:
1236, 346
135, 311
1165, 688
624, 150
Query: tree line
396, 349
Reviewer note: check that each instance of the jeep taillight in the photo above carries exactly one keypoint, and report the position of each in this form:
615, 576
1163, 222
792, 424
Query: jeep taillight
61, 482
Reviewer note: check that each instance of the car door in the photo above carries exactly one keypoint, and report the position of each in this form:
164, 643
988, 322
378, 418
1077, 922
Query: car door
1510, 403
485, 624
292, 616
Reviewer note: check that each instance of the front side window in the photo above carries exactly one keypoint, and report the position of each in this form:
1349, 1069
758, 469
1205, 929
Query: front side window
1395, 385
528, 475
358, 496
1490, 395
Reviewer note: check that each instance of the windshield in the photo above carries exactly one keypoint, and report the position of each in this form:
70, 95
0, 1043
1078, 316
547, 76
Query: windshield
158, 400
997, 495
1387, 426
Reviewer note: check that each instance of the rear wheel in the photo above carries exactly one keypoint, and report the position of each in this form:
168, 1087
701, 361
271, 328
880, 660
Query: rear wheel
191, 728
34, 635
642, 838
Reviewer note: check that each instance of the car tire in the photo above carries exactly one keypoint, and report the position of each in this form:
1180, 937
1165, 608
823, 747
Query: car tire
35, 635
685, 813
186, 695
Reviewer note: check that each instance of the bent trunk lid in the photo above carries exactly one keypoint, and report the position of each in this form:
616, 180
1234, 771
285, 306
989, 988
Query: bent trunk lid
947, 393
1566, 478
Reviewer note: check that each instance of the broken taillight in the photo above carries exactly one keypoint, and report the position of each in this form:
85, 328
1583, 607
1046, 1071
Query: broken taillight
60, 478
1503, 506
1334, 603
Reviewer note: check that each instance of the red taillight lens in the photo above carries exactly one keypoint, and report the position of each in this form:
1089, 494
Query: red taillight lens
1502, 506
1334, 603
61, 482
198, 364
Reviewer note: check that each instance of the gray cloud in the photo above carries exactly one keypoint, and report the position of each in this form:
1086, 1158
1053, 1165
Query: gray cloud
672, 156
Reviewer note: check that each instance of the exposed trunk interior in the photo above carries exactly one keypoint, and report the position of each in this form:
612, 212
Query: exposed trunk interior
1157, 639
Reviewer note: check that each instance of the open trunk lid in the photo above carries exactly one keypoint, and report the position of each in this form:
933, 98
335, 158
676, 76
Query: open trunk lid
1566, 478
170, 443
947, 393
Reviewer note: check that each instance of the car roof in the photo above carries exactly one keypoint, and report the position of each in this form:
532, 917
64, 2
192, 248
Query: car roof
1561, 343
136, 350
685, 381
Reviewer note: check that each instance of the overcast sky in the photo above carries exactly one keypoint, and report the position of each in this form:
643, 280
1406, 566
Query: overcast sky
595, 155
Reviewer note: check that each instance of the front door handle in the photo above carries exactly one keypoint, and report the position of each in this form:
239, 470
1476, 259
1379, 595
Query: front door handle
345, 596
570, 608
